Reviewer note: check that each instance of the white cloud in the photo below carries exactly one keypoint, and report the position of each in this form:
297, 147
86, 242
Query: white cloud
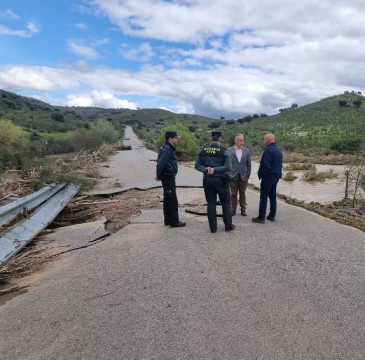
103, 99
8, 14
103, 41
81, 26
142, 52
36, 78
195, 21
31, 29
228, 58
85, 51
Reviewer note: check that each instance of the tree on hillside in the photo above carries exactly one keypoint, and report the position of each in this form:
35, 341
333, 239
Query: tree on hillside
187, 145
247, 119
357, 103
15, 150
342, 103
57, 117
214, 125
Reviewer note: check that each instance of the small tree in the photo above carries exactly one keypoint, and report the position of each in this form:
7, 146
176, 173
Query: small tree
15, 150
57, 117
187, 145
342, 103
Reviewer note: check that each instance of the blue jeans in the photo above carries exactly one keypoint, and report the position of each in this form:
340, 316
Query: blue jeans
268, 190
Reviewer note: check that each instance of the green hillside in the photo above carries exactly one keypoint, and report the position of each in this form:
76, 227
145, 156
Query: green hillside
323, 124
335, 123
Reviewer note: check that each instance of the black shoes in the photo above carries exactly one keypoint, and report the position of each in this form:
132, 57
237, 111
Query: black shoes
271, 218
243, 213
230, 228
213, 230
258, 220
178, 224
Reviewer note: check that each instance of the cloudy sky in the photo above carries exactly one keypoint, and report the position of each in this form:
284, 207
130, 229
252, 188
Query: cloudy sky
210, 57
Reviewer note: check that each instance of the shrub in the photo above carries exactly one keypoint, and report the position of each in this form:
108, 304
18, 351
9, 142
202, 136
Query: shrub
16, 151
300, 166
289, 176
313, 175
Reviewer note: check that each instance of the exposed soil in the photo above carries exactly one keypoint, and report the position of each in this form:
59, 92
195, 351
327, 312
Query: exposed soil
117, 209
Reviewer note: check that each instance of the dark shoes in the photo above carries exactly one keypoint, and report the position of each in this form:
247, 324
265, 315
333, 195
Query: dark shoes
230, 228
243, 212
258, 220
178, 224
213, 230
271, 218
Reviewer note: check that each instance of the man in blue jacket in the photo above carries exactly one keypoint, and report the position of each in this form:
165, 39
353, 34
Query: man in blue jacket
270, 171
166, 171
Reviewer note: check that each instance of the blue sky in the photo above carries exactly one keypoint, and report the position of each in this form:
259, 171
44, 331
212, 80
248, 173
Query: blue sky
210, 57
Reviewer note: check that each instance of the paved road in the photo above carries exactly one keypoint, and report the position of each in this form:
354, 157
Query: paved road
293, 289
136, 168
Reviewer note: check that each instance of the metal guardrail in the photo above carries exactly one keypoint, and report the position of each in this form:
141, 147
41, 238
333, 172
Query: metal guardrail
27, 203
54, 199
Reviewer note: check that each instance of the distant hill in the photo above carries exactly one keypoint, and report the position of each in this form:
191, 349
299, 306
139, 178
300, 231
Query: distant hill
35, 115
336, 123
32, 114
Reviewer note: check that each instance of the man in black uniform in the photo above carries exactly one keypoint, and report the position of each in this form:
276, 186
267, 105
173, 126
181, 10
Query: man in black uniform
215, 162
166, 171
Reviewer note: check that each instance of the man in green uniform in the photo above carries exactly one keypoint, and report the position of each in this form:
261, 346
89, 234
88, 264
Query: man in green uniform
166, 171
215, 162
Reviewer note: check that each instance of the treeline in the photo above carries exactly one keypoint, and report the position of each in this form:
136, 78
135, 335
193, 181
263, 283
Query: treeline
21, 150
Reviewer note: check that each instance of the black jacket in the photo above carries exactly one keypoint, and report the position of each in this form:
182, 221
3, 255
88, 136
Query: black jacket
214, 156
166, 161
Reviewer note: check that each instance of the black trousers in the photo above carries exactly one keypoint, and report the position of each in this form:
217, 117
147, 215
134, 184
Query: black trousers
170, 204
212, 187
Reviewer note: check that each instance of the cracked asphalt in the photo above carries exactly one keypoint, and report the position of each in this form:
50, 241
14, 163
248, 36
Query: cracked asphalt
292, 289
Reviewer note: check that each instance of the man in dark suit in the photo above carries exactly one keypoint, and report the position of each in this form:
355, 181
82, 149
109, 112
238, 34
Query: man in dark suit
240, 173
270, 171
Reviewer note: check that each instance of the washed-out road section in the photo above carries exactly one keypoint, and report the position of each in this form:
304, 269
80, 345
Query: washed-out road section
289, 289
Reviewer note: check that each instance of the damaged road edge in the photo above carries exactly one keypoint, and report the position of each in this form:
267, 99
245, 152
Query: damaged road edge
25, 231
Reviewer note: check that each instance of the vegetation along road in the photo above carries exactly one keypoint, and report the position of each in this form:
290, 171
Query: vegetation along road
289, 289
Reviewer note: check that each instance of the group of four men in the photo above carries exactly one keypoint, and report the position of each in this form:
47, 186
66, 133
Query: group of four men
226, 173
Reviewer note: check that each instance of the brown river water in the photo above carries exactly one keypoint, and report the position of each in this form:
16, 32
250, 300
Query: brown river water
322, 192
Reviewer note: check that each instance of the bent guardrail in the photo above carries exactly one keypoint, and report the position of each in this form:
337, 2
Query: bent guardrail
13, 240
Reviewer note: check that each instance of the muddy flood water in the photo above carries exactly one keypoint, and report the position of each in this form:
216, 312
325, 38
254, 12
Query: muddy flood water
322, 192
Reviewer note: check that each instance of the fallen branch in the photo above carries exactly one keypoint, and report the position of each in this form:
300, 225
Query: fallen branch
13, 289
